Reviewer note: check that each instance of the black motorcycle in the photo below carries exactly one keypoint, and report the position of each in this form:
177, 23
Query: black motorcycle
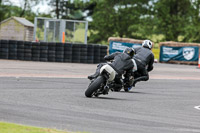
108, 79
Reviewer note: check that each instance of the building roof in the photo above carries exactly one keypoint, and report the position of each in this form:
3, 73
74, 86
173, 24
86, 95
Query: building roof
23, 21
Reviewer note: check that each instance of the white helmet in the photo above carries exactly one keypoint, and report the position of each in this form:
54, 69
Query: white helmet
147, 44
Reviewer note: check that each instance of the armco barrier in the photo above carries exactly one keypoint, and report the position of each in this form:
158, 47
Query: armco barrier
52, 52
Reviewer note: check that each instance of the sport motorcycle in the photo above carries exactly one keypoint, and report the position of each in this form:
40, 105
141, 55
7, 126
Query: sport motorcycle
107, 80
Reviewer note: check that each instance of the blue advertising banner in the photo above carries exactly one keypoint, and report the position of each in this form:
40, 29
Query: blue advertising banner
187, 53
120, 46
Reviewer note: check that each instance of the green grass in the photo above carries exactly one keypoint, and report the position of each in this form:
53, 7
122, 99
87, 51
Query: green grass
15, 128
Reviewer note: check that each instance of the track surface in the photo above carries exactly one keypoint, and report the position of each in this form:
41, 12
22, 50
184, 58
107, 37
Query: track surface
52, 95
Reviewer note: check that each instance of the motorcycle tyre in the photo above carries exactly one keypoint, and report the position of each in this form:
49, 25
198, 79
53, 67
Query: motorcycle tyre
95, 85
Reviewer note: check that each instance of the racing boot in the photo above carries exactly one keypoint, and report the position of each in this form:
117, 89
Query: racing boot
117, 87
143, 78
106, 90
96, 74
93, 76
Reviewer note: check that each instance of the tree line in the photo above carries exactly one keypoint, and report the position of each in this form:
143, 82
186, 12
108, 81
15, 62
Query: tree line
158, 20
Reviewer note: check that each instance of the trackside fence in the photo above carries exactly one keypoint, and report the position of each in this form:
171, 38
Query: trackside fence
52, 52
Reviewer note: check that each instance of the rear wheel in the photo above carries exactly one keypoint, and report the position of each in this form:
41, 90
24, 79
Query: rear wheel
94, 86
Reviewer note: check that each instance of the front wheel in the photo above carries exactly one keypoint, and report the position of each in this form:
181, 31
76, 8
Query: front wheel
94, 86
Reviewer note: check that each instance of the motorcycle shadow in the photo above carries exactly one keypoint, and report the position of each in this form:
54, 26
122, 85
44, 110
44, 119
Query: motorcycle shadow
136, 92
109, 98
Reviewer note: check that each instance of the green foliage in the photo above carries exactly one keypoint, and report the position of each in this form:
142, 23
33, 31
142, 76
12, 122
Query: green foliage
70, 9
174, 20
8, 10
172, 17
192, 30
119, 18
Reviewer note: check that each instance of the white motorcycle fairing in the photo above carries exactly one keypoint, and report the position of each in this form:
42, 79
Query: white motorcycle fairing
110, 70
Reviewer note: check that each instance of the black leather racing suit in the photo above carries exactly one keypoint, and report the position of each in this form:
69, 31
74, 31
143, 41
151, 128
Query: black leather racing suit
121, 62
144, 59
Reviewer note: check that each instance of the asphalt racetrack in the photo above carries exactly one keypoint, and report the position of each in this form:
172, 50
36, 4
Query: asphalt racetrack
52, 95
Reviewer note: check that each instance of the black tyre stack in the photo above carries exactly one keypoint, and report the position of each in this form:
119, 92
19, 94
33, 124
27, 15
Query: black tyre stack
12, 50
51, 51
0, 49
103, 52
76, 53
27, 51
83, 53
20, 50
44, 51
96, 53
4, 49
59, 52
35, 51
90, 54
67, 52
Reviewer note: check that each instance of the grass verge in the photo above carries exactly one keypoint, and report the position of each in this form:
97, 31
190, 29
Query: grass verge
15, 128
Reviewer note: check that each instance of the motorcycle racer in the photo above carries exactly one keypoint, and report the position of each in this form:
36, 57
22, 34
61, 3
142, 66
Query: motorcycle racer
144, 59
121, 62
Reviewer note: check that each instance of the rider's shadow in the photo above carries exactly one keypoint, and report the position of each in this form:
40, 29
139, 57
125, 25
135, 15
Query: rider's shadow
136, 92
110, 98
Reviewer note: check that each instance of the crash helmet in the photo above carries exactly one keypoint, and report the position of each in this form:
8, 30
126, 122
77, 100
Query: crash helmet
147, 44
129, 51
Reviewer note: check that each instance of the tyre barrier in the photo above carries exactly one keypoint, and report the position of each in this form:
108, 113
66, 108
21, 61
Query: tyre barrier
4, 49
20, 50
44, 51
12, 49
35, 51
52, 52
83, 53
90, 54
76, 53
67, 52
96, 53
59, 55
27, 51
103, 52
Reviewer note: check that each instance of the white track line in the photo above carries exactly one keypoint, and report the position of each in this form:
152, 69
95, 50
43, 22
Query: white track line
31, 75
197, 107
